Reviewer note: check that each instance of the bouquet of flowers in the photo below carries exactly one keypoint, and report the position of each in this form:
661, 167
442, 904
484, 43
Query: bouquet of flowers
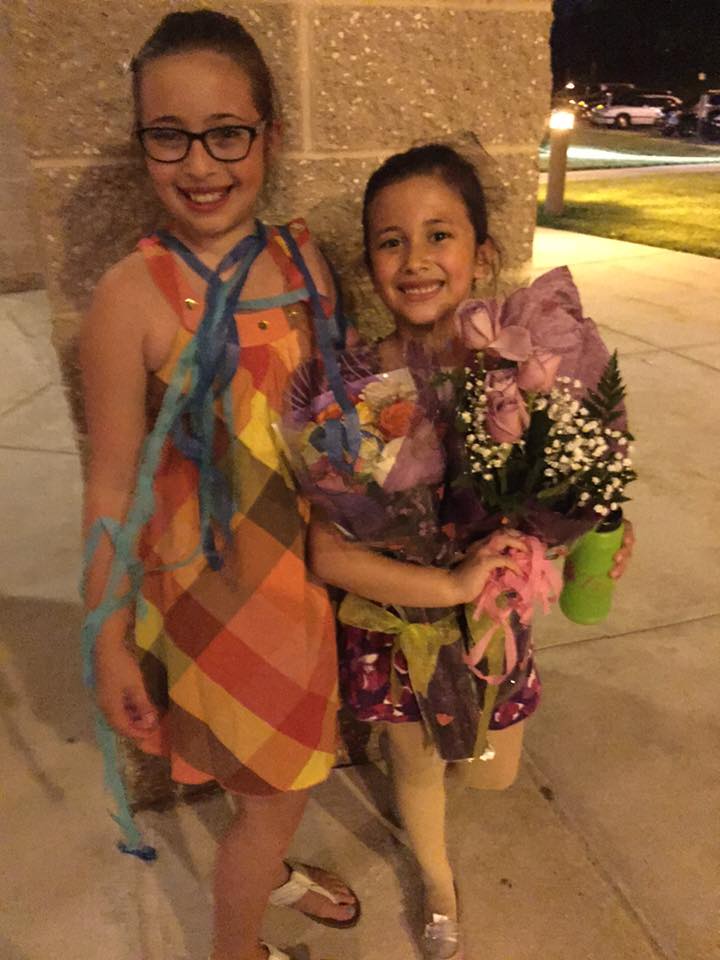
384, 496
385, 492
546, 448
541, 414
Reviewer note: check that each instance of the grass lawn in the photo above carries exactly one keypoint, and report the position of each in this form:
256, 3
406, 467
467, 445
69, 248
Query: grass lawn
632, 144
680, 213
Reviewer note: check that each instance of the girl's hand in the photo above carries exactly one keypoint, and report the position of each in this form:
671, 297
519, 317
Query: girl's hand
481, 560
121, 693
622, 557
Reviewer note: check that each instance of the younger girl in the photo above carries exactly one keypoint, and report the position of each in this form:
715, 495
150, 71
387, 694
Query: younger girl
231, 670
426, 245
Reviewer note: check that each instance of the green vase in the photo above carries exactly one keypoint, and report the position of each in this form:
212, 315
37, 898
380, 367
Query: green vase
587, 593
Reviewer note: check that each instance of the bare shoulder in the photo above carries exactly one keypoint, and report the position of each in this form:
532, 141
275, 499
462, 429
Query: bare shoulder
127, 308
120, 312
122, 288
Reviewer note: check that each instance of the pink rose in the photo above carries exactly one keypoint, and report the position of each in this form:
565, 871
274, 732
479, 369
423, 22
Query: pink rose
507, 417
538, 372
478, 324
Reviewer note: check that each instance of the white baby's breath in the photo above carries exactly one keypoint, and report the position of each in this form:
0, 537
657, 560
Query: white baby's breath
586, 461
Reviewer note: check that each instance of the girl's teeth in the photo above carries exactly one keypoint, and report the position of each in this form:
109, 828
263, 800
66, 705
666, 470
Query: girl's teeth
206, 197
426, 288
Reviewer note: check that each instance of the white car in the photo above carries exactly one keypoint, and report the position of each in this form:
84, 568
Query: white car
633, 110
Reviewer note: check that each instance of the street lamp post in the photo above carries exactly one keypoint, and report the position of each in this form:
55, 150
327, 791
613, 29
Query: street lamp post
561, 125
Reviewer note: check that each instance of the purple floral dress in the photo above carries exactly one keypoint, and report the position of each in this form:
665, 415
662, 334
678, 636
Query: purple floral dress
445, 521
399, 499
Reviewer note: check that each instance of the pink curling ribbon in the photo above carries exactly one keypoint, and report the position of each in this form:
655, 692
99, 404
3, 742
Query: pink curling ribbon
538, 582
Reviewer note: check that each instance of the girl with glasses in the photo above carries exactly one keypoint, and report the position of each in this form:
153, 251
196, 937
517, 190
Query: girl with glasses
205, 639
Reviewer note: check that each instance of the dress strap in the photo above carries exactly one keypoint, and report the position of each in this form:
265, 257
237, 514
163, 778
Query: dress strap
287, 261
279, 251
164, 272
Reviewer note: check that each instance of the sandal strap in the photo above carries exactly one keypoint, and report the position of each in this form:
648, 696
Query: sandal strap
274, 953
296, 886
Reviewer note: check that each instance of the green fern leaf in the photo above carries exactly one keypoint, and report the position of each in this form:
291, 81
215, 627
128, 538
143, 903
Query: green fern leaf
604, 401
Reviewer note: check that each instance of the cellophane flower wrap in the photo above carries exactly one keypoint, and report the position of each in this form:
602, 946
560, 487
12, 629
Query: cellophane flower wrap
541, 413
386, 496
389, 498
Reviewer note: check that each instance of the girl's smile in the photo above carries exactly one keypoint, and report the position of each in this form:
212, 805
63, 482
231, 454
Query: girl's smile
423, 252
211, 202
205, 201
420, 292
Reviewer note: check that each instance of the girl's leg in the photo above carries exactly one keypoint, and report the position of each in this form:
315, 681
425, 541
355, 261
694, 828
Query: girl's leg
249, 865
500, 772
419, 780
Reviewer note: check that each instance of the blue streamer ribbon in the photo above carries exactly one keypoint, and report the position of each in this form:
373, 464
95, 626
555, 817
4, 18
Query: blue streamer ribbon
342, 437
218, 354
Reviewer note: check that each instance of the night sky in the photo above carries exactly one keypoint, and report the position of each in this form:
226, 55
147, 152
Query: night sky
658, 43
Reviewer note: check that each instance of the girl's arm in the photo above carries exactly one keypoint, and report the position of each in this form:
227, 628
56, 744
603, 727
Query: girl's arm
114, 380
352, 567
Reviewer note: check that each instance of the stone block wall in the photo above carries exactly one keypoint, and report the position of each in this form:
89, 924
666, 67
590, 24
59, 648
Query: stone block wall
358, 79
20, 267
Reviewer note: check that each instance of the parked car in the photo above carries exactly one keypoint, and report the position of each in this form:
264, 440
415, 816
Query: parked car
602, 94
633, 110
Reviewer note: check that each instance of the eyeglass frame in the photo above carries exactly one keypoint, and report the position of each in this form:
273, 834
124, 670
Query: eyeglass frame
254, 132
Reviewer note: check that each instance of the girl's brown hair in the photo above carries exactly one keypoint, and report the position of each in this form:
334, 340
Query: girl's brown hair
188, 31
430, 160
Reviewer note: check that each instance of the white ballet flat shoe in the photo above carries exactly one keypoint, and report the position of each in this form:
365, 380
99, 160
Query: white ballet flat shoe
441, 939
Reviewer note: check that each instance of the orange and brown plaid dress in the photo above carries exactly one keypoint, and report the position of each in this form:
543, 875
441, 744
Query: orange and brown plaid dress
241, 660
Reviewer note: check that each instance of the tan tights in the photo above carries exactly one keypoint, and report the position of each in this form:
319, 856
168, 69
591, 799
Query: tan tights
419, 782
418, 775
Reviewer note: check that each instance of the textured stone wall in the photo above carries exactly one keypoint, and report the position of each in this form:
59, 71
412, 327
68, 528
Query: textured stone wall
19, 262
358, 80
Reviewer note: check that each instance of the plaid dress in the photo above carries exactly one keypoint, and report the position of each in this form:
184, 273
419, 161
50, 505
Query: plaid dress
241, 661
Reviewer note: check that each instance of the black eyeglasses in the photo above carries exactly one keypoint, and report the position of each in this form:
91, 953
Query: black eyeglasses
228, 143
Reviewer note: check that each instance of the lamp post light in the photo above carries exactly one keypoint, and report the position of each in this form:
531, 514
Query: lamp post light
561, 125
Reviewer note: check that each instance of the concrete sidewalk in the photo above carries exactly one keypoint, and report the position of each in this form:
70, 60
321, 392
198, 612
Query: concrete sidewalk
608, 846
